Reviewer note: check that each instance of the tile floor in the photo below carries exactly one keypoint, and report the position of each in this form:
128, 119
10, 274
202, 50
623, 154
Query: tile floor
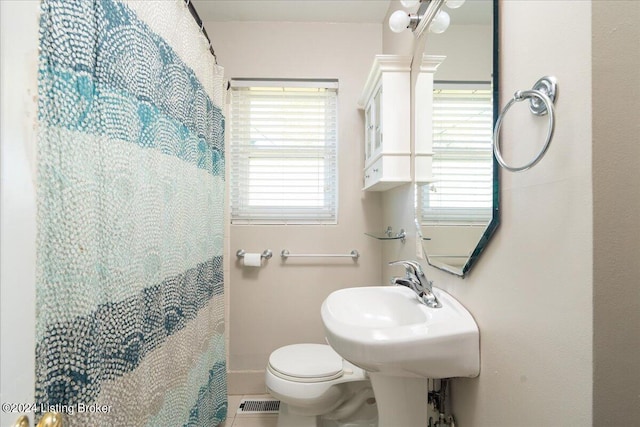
248, 420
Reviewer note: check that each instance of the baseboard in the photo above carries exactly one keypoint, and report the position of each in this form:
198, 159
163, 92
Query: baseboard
246, 382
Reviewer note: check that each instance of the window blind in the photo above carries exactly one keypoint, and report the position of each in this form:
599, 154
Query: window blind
283, 152
462, 191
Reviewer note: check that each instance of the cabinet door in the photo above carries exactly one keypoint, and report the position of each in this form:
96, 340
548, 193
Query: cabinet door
377, 113
368, 131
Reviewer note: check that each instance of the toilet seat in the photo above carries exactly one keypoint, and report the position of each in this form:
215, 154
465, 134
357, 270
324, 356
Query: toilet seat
307, 363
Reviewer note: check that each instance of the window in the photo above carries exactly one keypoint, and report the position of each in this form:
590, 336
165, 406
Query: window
462, 190
283, 151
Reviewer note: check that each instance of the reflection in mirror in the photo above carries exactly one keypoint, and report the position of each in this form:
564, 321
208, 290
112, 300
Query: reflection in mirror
457, 199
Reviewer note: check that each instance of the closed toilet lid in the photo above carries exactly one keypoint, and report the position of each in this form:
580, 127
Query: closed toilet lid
308, 362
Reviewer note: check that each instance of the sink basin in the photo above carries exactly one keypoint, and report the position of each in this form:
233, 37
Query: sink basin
387, 330
401, 343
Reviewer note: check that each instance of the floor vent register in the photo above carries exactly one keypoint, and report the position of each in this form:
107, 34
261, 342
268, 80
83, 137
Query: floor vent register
259, 406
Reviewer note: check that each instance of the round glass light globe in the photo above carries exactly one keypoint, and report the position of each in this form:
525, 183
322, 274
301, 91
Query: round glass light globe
399, 21
440, 23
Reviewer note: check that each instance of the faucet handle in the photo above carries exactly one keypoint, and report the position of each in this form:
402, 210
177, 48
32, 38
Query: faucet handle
412, 267
399, 262
417, 281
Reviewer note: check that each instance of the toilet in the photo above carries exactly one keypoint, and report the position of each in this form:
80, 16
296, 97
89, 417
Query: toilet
318, 388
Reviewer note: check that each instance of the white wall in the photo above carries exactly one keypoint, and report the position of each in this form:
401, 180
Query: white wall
279, 304
531, 290
18, 204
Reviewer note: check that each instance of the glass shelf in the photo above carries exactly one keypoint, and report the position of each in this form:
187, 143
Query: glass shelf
389, 235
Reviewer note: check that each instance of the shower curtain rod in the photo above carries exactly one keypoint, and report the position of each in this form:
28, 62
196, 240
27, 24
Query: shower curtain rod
195, 15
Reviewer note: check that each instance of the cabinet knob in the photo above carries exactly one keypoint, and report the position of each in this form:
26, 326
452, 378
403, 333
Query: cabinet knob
366, 176
375, 170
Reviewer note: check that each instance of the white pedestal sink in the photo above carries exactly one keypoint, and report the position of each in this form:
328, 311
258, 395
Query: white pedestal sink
401, 342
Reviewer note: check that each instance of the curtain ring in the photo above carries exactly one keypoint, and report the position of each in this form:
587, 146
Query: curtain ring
517, 97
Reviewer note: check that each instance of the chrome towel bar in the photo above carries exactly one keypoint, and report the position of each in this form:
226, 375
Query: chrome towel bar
353, 254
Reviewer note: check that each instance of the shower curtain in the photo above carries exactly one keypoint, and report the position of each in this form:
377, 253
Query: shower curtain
129, 294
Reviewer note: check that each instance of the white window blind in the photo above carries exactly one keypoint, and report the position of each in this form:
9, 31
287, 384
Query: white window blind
462, 191
283, 151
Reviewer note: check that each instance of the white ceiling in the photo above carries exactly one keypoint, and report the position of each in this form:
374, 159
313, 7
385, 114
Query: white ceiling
372, 11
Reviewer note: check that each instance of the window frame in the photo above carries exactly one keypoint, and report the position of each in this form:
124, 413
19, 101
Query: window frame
244, 149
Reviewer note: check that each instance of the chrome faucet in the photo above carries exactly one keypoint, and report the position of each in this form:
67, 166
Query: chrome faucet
415, 280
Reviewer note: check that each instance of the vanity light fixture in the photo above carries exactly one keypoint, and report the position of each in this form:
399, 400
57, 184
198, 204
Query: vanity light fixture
400, 20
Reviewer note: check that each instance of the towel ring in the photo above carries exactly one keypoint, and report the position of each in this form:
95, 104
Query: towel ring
541, 99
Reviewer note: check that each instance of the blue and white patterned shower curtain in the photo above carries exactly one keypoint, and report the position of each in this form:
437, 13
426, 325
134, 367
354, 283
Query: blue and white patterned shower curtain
130, 305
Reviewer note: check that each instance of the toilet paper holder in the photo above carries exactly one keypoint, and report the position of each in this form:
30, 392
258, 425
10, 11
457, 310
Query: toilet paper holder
266, 254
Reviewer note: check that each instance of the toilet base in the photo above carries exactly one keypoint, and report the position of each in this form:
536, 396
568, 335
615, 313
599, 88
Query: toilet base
288, 419
366, 416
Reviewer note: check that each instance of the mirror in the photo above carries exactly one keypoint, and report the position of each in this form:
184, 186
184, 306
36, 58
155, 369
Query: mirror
457, 182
